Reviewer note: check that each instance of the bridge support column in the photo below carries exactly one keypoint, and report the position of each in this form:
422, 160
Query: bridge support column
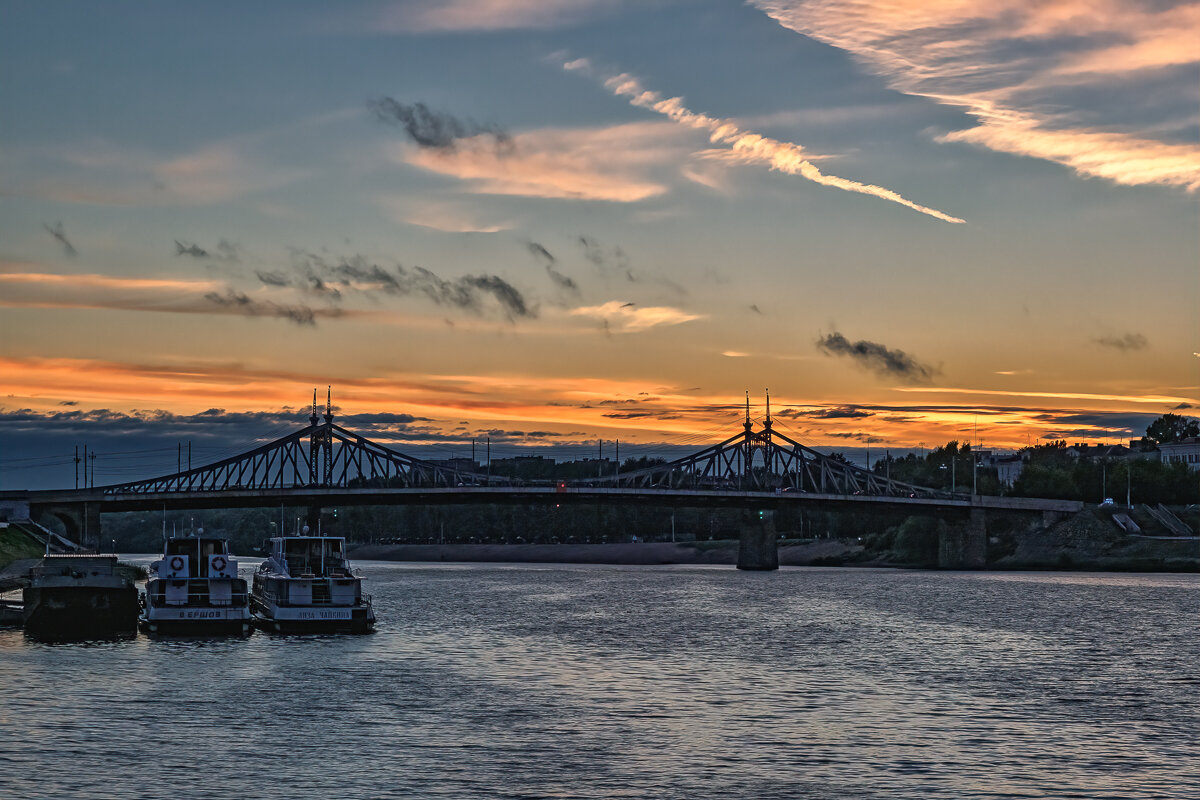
963, 547
757, 549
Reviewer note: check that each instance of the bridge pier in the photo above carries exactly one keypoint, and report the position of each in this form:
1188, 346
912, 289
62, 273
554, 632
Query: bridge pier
963, 547
757, 549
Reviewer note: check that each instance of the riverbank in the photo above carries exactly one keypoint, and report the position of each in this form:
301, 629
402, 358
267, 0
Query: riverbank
1087, 541
643, 553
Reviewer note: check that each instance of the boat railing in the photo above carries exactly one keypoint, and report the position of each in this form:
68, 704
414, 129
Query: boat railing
284, 601
203, 599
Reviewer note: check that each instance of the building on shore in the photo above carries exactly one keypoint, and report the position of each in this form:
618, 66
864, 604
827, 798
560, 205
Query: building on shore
1185, 451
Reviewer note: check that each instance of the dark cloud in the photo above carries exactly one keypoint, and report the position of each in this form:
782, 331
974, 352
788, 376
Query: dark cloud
189, 249
435, 129
877, 358
224, 251
836, 412
357, 273
608, 260
61, 235
1078, 434
754, 307
640, 415
504, 292
562, 281
1126, 343
541, 252
1182, 406
274, 278
243, 303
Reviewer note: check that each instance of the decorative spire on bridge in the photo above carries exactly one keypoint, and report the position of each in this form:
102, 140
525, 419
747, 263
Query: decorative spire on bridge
751, 460
320, 443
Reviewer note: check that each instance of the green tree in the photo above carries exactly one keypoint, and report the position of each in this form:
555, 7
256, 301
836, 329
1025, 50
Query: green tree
1172, 428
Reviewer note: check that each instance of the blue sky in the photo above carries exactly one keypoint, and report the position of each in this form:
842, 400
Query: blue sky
660, 205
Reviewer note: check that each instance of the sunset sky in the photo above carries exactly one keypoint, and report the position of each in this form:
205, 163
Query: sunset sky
556, 221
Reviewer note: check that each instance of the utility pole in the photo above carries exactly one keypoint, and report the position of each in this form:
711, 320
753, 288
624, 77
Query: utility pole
489, 459
85, 466
617, 468
93, 457
76, 466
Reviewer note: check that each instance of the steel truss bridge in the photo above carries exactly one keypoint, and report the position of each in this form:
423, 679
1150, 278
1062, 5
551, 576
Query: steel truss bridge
326, 465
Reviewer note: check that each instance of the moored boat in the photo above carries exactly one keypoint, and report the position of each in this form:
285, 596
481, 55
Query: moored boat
306, 585
195, 589
78, 596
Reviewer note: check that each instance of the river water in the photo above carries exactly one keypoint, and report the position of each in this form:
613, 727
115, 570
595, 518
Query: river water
523, 681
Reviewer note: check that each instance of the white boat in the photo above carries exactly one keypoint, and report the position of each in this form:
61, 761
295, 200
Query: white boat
195, 589
306, 585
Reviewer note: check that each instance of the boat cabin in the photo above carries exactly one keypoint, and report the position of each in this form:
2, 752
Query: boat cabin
196, 557
311, 556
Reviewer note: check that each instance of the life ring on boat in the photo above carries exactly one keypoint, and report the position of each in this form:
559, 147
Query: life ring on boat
177, 563
219, 563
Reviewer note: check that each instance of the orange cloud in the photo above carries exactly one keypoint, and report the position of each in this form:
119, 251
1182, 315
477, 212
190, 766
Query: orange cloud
53, 290
608, 164
630, 318
1007, 61
484, 15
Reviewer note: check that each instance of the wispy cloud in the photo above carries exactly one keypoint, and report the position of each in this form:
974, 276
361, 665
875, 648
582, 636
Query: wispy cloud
224, 251
629, 318
1126, 343
61, 236
1018, 68
439, 130
564, 282
746, 146
51, 290
440, 216
1156, 399
241, 303
610, 164
877, 358
485, 15
103, 174
313, 273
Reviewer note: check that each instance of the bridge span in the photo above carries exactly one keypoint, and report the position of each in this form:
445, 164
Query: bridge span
326, 465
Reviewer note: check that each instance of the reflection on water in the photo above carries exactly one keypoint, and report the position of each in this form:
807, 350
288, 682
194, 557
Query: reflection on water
641, 682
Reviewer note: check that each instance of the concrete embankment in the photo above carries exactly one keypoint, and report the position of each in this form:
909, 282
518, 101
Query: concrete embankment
1088, 541
715, 552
